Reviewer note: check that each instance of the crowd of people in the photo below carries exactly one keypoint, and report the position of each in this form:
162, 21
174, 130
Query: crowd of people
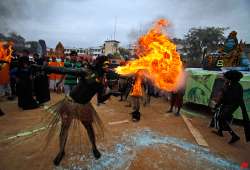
32, 81
32, 88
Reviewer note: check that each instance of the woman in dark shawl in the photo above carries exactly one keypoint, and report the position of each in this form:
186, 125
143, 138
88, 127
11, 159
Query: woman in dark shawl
24, 84
41, 82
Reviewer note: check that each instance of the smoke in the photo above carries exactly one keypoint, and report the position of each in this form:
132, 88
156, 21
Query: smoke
14, 12
40, 19
11, 11
224, 13
93, 20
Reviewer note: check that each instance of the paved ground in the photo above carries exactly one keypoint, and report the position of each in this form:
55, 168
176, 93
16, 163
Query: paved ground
159, 141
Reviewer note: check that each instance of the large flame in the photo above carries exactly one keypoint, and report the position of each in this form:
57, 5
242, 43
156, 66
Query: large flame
157, 57
137, 90
6, 52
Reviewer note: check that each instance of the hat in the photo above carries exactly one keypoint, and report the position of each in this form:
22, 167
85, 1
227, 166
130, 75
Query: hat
233, 75
105, 64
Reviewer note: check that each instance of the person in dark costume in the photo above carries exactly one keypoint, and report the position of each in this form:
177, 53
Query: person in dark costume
41, 82
77, 105
24, 84
122, 85
176, 101
130, 83
231, 99
177, 95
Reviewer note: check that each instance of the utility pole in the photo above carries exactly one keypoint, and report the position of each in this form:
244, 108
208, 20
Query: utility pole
115, 27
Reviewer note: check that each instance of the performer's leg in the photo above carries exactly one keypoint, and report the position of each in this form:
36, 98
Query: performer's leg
148, 98
220, 132
234, 136
129, 101
136, 108
91, 135
1, 112
63, 139
172, 100
121, 96
137, 104
178, 111
221, 123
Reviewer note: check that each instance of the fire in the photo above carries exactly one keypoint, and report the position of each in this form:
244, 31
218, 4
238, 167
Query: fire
136, 90
6, 52
157, 57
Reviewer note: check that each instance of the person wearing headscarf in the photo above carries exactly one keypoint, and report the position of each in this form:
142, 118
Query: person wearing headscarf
230, 100
24, 83
41, 82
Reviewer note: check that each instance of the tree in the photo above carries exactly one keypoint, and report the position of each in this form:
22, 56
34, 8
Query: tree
197, 38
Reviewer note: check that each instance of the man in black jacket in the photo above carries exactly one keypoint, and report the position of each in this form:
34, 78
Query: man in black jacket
231, 99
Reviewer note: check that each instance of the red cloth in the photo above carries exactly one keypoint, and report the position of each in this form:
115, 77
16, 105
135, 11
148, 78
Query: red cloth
4, 74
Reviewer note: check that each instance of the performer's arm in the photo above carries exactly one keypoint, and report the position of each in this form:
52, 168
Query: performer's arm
244, 111
101, 96
2, 61
123, 77
60, 70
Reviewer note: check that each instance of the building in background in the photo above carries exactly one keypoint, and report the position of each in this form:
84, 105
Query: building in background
94, 51
110, 47
131, 48
80, 51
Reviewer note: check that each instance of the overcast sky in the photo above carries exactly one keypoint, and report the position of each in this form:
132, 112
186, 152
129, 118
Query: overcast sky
85, 23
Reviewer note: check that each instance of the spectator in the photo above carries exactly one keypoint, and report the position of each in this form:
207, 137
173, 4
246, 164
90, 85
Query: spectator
70, 81
231, 99
24, 83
